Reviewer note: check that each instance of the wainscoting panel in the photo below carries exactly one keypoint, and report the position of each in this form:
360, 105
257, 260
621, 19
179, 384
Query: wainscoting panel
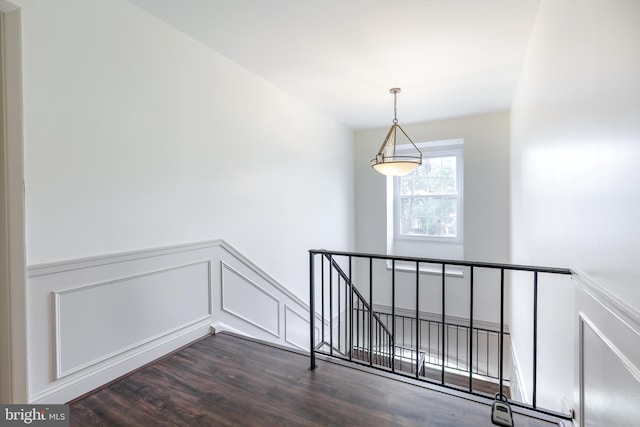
610, 382
297, 328
237, 290
250, 302
609, 360
99, 321
93, 320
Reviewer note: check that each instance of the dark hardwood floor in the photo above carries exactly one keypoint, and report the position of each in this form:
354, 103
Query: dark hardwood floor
226, 380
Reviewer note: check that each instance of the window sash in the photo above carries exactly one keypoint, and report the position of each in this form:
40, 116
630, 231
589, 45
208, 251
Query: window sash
427, 220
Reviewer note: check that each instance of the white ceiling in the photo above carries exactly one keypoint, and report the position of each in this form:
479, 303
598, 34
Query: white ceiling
450, 57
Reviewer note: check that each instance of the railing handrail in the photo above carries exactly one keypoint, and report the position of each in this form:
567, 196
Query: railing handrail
502, 266
364, 302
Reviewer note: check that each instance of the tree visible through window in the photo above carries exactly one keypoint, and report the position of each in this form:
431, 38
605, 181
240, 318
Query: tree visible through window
428, 200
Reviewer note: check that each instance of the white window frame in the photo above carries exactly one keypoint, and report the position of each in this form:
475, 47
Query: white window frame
429, 151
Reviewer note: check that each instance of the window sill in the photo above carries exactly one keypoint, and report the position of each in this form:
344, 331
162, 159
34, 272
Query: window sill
428, 239
431, 269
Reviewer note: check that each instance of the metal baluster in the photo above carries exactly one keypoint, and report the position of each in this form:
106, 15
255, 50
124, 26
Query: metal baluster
429, 337
471, 331
404, 334
312, 312
444, 340
377, 341
357, 321
390, 341
322, 298
500, 341
370, 311
457, 346
478, 351
439, 330
363, 327
417, 317
350, 313
331, 305
393, 315
411, 332
488, 340
339, 314
535, 338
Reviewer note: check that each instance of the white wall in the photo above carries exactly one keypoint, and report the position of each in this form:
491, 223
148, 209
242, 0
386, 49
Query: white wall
575, 175
137, 136
486, 210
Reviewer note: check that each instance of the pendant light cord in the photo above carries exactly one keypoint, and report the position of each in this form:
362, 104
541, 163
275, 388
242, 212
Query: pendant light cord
395, 108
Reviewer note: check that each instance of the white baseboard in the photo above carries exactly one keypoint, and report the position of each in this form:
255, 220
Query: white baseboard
518, 386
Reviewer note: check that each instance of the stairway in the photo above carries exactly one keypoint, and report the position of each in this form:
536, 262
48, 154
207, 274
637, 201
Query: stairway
405, 365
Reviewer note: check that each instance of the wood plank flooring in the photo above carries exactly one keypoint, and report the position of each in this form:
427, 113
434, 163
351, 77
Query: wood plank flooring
226, 380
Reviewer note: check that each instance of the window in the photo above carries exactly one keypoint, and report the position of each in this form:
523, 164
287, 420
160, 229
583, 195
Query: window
428, 201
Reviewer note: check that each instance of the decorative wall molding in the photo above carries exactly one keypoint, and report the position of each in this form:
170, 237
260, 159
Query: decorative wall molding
610, 302
586, 323
616, 364
298, 340
95, 319
271, 313
519, 389
608, 373
234, 301
157, 276
230, 250
101, 260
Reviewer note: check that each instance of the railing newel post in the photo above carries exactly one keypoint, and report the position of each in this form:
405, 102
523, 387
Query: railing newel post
501, 340
535, 338
331, 305
339, 314
417, 318
393, 315
370, 311
312, 312
444, 331
471, 330
322, 335
350, 311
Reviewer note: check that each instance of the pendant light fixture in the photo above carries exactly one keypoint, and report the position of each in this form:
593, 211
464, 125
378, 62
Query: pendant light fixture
388, 161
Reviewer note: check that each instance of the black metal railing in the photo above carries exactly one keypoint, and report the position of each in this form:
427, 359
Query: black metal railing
367, 335
485, 341
413, 342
